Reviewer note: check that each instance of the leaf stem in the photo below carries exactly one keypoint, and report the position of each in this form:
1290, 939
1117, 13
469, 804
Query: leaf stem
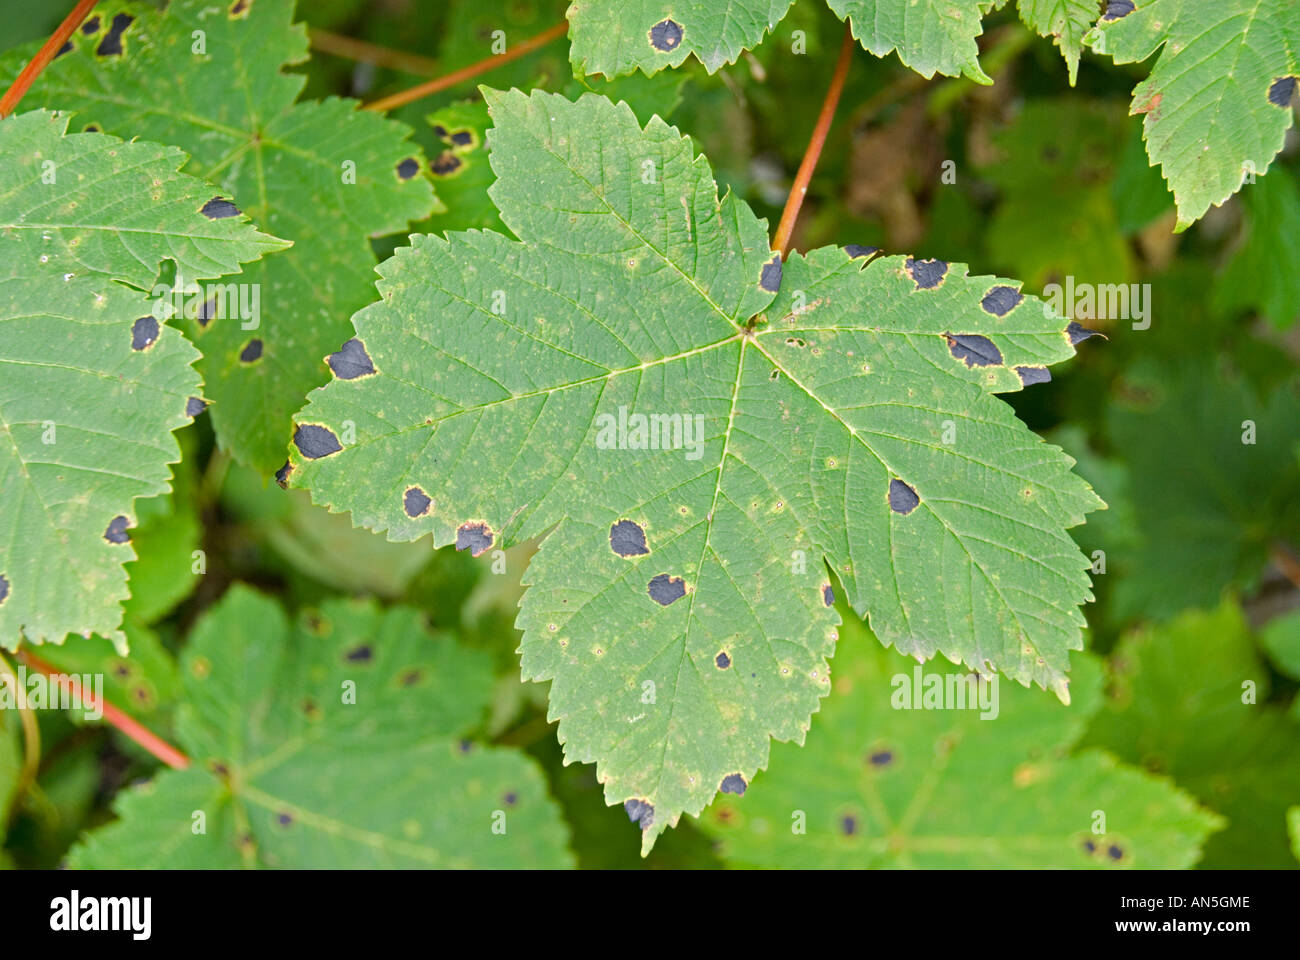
43, 56
430, 87
1286, 562
350, 48
781, 242
146, 738
31, 737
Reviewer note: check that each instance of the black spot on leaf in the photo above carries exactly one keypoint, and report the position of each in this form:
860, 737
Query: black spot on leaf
1089, 847
849, 826
1280, 93
511, 799
1001, 300
143, 333
252, 351
445, 164
351, 361
116, 532
415, 502
91, 128
722, 660
362, 654
412, 677
90, 26
284, 820
440, 131
1031, 375
928, 274
828, 595
627, 539
973, 349
1118, 9
194, 406
66, 48
4, 588
733, 783
1078, 333
770, 279
1114, 852
111, 45
408, 168
282, 475
640, 811
857, 250
881, 758
240, 8
207, 312
462, 138
475, 537
902, 497
666, 36
664, 589
219, 209
314, 442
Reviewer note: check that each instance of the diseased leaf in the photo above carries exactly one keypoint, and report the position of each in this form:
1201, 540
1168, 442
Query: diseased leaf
331, 743
93, 383
322, 174
1188, 700
679, 603
619, 36
1218, 101
936, 767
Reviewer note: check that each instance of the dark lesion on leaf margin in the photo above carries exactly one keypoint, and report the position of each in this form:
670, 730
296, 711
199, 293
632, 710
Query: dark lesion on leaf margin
974, 349
1118, 9
927, 274
117, 530
474, 536
4, 588
640, 811
218, 208
733, 783
351, 361
1281, 91
194, 406
314, 441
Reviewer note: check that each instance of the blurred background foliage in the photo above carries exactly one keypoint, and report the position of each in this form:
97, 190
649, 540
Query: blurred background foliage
1198, 557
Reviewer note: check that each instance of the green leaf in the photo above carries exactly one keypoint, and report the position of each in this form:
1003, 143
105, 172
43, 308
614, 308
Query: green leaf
1293, 826
1066, 21
1217, 103
142, 682
930, 36
1188, 700
1209, 522
619, 36
461, 170
332, 743
93, 383
908, 766
323, 174
679, 601
1280, 639
1264, 272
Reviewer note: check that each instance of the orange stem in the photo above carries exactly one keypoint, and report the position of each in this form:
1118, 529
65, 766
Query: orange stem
781, 242
150, 741
351, 48
44, 56
473, 70
1286, 562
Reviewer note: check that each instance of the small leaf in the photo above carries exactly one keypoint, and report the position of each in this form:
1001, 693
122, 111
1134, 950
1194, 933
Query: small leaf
332, 743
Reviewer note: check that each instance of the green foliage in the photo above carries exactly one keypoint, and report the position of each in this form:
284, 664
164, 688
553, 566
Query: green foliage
893, 775
331, 742
580, 309
1262, 274
1189, 701
322, 174
94, 383
1218, 101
